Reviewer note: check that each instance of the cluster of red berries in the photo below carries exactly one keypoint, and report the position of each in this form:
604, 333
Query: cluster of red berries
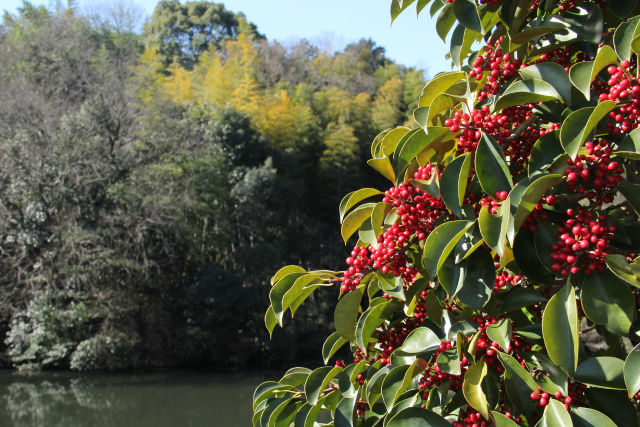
583, 242
392, 339
470, 418
505, 279
565, 56
493, 203
594, 171
501, 67
435, 376
357, 262
576, 390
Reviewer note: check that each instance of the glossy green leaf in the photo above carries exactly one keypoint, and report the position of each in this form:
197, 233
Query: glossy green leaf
629, 272
526, 92
345, 412
632, 194
603, 372
560, 329
622, 9
580, 76
449, 362
517, 372
398, 380
623, 37
371, 319
608, 301
491, 166
501, 333
577, 127
632, 371
441, 242
445, 21
467, 14
397, 6
285, 271
301, 286
295, 376
276, 295
545, 152
532, 196
546, 235
430, 186
453, 183
615, 404
605, 57
470, 280
438, 85
555, 415
442, 103
587, 417
556, 380
413, 143
494, 227
355, 197
417, 417
318, 380
346, 312
519, 297
267, 389
354, 220
331, 345
525, 254
552, 73
502, 421
270, 320
383, 167
420, 340
374, 385
472, 388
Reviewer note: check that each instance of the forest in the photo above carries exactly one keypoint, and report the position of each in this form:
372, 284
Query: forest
153, 180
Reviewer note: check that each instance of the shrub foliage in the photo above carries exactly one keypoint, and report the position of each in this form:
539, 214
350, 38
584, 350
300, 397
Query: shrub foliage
496, 282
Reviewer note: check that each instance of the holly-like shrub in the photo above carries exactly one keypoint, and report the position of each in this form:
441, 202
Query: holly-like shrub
496, 282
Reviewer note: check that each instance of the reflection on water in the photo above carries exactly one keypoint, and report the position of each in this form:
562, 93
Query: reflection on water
152, 399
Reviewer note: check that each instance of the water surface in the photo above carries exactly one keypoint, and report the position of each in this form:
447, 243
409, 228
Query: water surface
175, 398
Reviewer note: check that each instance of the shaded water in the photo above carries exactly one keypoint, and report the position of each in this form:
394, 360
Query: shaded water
175, 398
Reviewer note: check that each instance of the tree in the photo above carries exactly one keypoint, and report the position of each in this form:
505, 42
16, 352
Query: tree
506, 245
182, 32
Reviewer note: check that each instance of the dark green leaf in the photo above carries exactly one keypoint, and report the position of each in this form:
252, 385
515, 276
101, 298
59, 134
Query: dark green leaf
467, 14
318, 381
632, 371
493, 227
474, 278
413, 143
501, 333
345, 412
331, 345
453, 183
580, 76
519, 297
614, 404
371, 319
552, 73
545, 152
624, 35
354, 220
560, 329
578, 126
603, 372
555, 415
397, 6
622, 9
441, 242
501, 420
608, 301
632, 194
587, 417
295, 376
491, 166
346, 313
417, 417
276, 295
525, 255
526, 92
445, 21
449, 362
420, 340
532, 196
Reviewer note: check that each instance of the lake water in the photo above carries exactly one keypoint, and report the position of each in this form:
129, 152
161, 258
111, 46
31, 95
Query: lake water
174, 398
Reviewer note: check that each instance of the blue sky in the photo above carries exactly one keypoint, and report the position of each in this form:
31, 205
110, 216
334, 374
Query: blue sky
410, 40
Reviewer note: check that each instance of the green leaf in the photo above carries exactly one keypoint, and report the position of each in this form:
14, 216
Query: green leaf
622, 9
615, 404
527, 92
472, 388
580, 76
587, 417
532, 196
471, 280
453, 183
430, 186
524, 252
557, 380
374, 386
494, 227
445, 21
441, 242
491, 166
520, 375
267, 389
413, 143
318, 380
383, 167
555, 415
331, 345
398, 380
623, 37
603, 372
449, 362
501, 333
270, 320
632, 371
295, 376
631, 193
371, 319
420, 340
417, 417
438, 85
578, 126
276, 295
629, 272
608, 301
467, 14
552, 73
355, 197
301, 287
502, 421
397, 6
442, 103
345, 412
354, 220
545, 152
605, 57
519, 297
285, 271
346, 312
560, 329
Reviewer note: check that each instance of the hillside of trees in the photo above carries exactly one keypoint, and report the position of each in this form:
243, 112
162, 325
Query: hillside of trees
152, 182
